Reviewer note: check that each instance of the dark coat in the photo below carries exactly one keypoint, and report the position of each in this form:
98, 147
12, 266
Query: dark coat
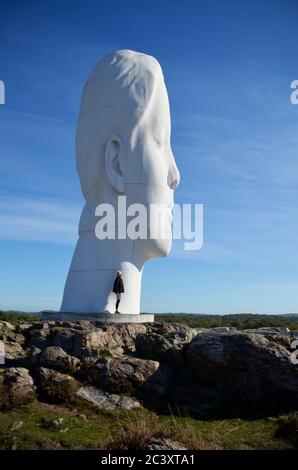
118, 285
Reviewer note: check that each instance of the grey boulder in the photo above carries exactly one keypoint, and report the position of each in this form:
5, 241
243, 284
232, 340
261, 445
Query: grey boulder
105, 400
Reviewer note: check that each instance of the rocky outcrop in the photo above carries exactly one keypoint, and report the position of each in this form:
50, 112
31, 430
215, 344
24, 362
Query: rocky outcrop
246, 367
127, 373
168, 347
13, 342
206, 372
105, 400
39, 336
19, 387
54, 357
14, 353
56, 387
86, 339
281, 335
163, 443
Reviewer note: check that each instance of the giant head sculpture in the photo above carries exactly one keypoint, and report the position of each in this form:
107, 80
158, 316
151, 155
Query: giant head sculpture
122, 149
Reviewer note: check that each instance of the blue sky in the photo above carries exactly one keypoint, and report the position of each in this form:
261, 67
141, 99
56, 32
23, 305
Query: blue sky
228, 67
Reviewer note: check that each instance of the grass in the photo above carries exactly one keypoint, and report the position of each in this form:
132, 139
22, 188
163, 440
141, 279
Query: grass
131, 430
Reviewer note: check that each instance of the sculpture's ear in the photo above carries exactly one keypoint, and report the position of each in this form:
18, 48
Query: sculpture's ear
113, 153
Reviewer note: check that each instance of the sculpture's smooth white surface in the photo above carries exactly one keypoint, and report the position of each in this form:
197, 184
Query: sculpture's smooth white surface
122, 148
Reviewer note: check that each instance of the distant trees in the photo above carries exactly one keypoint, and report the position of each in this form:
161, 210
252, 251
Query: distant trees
240, 321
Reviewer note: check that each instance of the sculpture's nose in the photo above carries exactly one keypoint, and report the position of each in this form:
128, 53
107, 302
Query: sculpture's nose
173, 174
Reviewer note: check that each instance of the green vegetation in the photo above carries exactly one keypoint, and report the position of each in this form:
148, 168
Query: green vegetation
239, 321
19, 316
86, 428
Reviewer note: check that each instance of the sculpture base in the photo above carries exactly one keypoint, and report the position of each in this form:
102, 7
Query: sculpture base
98, 317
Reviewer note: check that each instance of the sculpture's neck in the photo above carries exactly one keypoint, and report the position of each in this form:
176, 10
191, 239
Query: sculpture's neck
130, 299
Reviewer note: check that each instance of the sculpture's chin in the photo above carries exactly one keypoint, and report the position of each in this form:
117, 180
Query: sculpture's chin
164, 247
159, 248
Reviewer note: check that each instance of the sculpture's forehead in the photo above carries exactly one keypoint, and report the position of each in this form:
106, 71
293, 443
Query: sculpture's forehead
125, 63
123, 78
132, 95
128, 102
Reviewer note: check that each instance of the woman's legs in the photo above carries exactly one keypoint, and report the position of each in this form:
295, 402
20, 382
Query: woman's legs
118, 301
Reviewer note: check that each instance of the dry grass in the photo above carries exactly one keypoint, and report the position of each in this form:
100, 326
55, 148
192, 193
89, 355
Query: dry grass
288, 428
135, 435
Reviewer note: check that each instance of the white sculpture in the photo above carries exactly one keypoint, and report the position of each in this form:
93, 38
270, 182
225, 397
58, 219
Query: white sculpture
122, 148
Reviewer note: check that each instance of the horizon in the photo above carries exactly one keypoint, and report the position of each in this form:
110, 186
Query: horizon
234, 137
33, 312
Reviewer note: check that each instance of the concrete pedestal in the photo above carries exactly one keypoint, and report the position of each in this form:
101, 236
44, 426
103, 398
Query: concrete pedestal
98, 317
